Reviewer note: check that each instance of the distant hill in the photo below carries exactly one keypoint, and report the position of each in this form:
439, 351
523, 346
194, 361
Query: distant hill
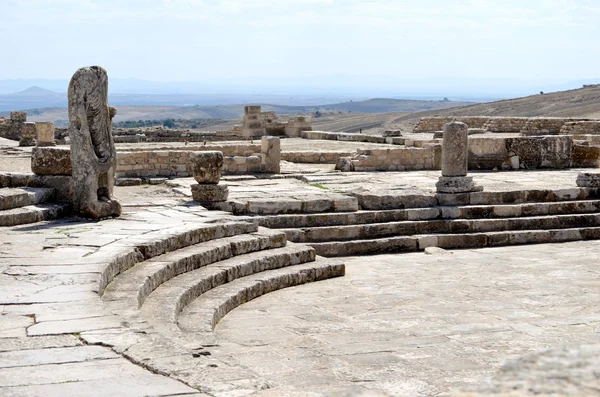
36, 92
582, 102
125, 113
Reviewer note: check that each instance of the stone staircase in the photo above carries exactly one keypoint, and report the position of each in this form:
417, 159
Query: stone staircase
28, 205
205, 273
482, 219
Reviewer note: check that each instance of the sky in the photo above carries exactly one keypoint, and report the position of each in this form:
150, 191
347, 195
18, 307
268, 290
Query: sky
344, 41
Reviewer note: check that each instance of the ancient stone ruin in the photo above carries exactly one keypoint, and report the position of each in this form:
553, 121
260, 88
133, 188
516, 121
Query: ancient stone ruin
206, 168
45, 133
257, 123
13, 127
93, 153
455, 161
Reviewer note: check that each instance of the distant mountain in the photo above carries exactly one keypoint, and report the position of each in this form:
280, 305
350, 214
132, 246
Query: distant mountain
36, 92
235, 111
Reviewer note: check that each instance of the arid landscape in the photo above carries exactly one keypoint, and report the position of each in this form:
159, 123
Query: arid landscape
304, 198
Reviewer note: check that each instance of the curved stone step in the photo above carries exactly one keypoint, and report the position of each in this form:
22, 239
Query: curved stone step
164, 304
133, 286
24, 196
33, 213
454, 241
201, 315
168, 240
409, 228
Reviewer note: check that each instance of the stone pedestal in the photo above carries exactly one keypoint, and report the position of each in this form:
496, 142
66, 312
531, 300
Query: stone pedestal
455, 161
27, 135
45, 133
209, 193
457, 184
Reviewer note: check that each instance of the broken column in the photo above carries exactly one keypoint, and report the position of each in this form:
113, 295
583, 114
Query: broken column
45, 133
27, 137
206, 168
455, 152
93, 152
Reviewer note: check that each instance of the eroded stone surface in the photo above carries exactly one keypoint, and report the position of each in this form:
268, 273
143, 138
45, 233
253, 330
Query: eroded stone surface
455, 150
207, 193
93, 153
51, 161
206, 166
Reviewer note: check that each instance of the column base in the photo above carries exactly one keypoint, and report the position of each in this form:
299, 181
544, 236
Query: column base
457, 184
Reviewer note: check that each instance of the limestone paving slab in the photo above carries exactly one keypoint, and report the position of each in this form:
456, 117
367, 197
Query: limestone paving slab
431, 325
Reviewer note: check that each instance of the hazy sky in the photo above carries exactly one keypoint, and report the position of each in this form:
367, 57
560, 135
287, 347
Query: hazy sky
231, 40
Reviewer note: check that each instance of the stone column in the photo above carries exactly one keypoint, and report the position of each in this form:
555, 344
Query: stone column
27, 135
45, 133
271, 147
455, 159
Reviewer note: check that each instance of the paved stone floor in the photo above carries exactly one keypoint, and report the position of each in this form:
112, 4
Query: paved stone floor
406, 325
418, 324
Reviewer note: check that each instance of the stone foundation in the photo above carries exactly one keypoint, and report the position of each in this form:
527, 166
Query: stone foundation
525, 125
398, 159
238, 159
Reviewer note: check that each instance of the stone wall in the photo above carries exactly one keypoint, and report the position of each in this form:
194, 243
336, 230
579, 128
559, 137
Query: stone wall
583, 127
12, 128
506, 124
160, 134
432, 124
342, 136
398, 159
550, 151
257, 123
544, 126
296, 125
315, 157
525, 125
238, 159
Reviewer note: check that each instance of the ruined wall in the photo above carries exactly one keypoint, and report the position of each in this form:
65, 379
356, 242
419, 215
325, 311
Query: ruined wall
583, 127
525, 125
253, 124
296, 125
238, 159
398, 159
315, 157
544, 126
534, 152
432, 124
12, 128
506, 124
342, 136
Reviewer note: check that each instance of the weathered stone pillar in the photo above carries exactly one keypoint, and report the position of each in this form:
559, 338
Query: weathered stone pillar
27, 137
45, 133
206, 168
93, 153
271, 147
455, 160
